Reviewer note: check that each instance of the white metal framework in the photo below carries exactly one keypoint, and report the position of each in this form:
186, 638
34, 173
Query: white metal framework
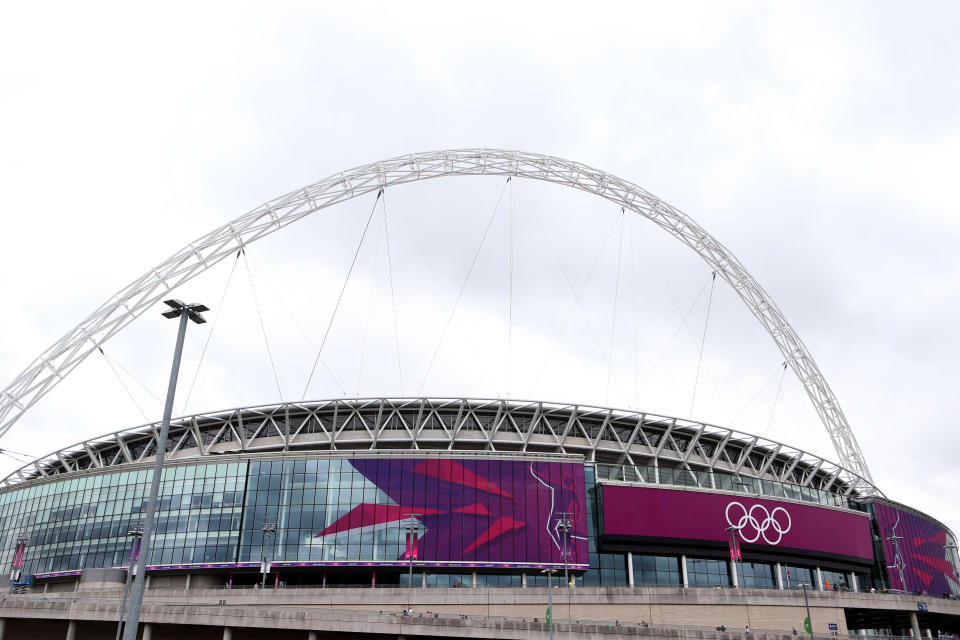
641, 441
61, 358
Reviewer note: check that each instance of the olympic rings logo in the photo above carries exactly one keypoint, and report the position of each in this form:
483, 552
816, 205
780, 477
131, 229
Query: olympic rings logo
760, 521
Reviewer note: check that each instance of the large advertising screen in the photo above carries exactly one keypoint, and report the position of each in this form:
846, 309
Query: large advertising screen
780, 525
917, 552
459, 511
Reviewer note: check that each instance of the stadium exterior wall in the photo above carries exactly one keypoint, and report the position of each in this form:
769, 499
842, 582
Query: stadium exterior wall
480, 518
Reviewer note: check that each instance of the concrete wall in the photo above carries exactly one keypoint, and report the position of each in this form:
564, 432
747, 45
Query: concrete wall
101, 578
734, 608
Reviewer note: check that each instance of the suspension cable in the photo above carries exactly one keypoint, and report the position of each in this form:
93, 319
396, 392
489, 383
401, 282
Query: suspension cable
263, 327
213, 328
393, 295
463, 286
683, 322
613, 323
577, 305
759, 391
366, 323
293, 317
775, 398
446, 298
14, 455
689, 331
123, 384
633, 304
336, 307
733, 353
510, 293
703, 342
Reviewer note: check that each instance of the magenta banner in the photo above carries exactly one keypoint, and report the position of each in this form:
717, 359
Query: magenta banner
696, 515
488, 512
917, 552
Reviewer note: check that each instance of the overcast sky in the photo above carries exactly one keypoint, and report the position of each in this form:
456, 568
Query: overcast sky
818, 142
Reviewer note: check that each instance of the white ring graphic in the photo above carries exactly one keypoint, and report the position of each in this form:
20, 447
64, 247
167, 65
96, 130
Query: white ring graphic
760, 520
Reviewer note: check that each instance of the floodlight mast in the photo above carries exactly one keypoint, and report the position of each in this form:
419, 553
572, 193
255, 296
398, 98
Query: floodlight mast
120, 310
185, 312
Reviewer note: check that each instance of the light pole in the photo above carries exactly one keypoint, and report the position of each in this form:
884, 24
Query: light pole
269, 528
184, 312
412, 529
898, 562
563, 528
955, 565
135, 534
806, 604
18, 553
549, 573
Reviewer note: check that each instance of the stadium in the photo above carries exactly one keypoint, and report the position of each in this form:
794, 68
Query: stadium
326, 518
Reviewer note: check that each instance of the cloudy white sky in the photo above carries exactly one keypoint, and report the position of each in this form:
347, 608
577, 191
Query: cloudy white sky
819, 142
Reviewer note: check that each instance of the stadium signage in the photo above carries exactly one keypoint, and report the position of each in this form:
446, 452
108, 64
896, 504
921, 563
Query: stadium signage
757, 522
682, 516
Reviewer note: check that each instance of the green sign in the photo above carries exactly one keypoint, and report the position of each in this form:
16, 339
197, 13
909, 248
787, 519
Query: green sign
806, 625
548, 615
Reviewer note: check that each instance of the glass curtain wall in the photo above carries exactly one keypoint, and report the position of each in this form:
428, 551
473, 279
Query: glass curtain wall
708, 572
756, 575
83, 522
656, 571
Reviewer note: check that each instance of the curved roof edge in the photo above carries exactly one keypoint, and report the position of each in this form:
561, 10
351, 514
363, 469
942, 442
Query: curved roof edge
600, 434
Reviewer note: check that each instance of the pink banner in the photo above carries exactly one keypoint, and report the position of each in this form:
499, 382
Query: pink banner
697, 515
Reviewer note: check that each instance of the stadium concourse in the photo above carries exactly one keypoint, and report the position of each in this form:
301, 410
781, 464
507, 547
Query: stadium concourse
333, 517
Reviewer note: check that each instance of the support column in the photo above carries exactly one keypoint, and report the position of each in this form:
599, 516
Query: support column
630, 568
227, 633
733, 574
474, 579
311, 635
3, 627
819, 579
423, 580
72, 628
683, 571
46, 586
523, 580
914, 624
187, 583
853, 582
147, 631
779, 577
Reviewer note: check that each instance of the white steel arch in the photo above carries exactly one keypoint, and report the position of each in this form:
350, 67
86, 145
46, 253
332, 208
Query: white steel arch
68, 352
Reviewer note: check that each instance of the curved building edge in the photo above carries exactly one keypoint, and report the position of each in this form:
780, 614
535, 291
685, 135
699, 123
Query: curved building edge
468, 492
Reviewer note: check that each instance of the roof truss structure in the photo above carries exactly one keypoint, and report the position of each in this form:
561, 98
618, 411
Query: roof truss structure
599, 434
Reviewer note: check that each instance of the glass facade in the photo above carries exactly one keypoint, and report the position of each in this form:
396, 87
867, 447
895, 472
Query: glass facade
455, 511
794, 576
469, 514
83, 522
836, 579
756, 575
708, 572
656, 571
722, 481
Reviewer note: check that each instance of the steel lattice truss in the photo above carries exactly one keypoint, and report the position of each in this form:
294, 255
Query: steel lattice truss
61, 358
599, 434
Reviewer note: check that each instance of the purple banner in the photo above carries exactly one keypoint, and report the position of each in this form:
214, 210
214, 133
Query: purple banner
489, 512
697, 515
915, 552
